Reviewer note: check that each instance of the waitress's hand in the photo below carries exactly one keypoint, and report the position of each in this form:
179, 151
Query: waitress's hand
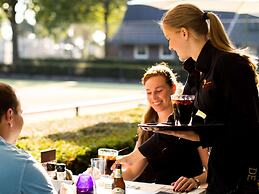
184, 184
190, 135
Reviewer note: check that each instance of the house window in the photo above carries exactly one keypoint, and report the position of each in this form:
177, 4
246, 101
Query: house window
141, 52
165, 53
253, 27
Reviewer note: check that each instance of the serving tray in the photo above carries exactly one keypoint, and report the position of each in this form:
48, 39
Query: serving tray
169, 126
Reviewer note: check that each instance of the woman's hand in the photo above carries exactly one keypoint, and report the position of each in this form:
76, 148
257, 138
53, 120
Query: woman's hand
67, 189
190, 135
123, 160
184, 184
133, 164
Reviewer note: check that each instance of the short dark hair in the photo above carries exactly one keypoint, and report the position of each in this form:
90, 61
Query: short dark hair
8, 99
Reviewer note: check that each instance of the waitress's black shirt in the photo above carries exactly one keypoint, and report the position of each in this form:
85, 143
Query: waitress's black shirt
227, 93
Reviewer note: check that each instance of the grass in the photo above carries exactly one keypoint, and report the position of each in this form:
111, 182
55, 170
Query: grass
76, 140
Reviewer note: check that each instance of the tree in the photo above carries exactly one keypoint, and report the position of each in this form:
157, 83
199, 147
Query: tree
8, 7
55, 17
108, 8
52, 15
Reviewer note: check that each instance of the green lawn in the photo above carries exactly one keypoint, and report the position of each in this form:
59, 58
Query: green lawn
77, 139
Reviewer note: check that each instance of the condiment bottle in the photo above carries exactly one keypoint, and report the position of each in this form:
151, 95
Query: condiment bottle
85, 184
51, 169
61, 171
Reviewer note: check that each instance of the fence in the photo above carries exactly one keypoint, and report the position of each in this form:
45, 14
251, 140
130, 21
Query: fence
83, 108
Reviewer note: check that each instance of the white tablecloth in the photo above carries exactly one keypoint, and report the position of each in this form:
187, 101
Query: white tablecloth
103, 186
133, 187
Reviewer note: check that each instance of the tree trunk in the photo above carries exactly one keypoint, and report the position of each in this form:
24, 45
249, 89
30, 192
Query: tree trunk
106, 26
10, 13
14, 29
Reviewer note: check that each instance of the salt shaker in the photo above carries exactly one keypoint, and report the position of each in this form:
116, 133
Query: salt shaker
51, 169
61, 171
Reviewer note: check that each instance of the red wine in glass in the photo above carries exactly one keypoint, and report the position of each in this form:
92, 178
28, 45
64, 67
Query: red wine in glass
181, 105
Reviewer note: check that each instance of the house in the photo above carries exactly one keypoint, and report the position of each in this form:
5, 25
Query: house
140, 36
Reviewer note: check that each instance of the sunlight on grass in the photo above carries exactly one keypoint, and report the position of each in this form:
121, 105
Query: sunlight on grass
77, 139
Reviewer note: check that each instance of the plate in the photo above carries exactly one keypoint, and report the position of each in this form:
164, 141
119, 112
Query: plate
169, 126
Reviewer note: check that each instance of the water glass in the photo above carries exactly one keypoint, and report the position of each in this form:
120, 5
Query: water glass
97, 167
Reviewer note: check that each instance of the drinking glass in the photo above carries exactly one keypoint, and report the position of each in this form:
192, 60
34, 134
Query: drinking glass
97, 167
109, 155
182, 104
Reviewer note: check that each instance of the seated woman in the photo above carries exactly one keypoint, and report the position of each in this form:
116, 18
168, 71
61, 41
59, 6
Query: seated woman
175, 161
20, 172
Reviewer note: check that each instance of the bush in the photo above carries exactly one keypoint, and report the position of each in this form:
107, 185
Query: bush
76, 140
98, 69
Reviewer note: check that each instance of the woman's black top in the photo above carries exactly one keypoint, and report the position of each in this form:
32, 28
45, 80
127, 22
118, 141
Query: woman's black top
227, 94
171, 157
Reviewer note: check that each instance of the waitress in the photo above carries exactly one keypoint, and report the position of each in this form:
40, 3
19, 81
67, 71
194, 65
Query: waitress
226, 93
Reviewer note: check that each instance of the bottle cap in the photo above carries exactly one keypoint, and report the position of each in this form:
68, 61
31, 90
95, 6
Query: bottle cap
60, 167
51, 166
118, 165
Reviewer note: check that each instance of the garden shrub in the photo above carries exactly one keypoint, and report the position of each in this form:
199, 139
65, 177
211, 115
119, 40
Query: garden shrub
82, 136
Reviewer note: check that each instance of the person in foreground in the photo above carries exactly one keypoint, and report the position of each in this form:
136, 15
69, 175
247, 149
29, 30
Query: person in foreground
174, 161
20, 173
226, 93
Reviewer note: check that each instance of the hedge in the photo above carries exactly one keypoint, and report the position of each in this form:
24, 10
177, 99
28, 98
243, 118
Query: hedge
98, 69
76, 140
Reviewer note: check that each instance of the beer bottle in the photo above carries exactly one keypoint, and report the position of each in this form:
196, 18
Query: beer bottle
118, 185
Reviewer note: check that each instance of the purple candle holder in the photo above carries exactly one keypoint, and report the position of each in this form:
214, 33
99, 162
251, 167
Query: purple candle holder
85, 184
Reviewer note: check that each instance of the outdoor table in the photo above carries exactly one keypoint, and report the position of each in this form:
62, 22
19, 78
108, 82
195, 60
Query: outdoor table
132, 187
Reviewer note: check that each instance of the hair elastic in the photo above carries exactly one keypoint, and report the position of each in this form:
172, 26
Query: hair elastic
205, 15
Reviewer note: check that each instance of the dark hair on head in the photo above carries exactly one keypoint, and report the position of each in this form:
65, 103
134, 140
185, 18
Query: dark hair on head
8, 99
160, 69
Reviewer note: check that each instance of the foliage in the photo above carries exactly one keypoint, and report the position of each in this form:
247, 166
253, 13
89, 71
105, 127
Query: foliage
114, 9
55, 18
4, 8
77, 139
52, 15
8, 7
95, 69
2, 13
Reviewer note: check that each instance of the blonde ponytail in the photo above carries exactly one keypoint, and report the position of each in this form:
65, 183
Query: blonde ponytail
207, 24
218, 35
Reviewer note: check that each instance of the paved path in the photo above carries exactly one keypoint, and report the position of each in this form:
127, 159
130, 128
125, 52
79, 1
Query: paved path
97, 97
